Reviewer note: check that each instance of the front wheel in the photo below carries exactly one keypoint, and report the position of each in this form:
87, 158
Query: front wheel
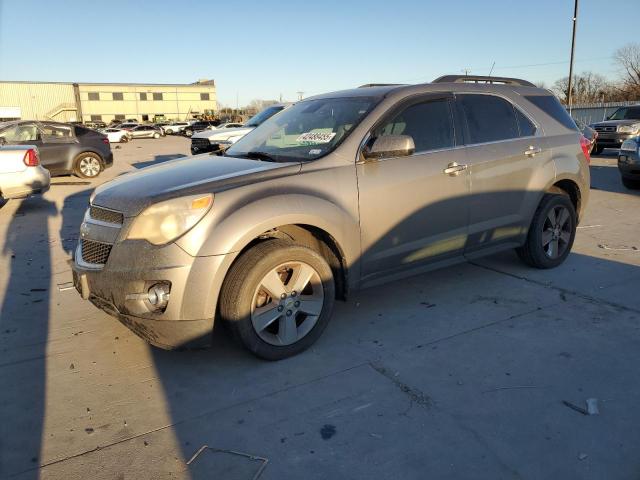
156, 135
551, 233
188, 133
87, 165
169, 131
277, 299
124, 139
631, 184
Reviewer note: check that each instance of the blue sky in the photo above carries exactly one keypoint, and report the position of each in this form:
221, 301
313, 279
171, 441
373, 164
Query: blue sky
261, 49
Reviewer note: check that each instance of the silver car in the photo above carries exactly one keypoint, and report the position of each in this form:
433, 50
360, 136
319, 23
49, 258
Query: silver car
145, 131
21, 174
339, 192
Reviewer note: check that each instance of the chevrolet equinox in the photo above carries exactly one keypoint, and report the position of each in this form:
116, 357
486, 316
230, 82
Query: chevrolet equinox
338, 192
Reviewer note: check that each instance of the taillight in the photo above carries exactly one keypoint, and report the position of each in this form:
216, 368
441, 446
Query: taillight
31, 158
586, 145
105, 140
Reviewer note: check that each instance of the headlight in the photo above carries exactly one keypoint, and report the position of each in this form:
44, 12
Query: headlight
165, 221
635, 128
630, 145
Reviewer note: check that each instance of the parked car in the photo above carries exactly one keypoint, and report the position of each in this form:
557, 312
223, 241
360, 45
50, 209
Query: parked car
176, 127
338, 192
95, 125
128, 126
199, 126
589, 133
219, 139
145, 131
117, 135
629, 163
63, 148
621, 125
21, 174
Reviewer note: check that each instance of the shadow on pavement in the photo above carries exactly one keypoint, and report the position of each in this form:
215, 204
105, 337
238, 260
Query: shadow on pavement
24, 331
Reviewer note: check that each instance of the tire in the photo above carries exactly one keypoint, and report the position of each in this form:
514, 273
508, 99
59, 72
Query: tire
549, 244
597, 149
169, 131
188, 133
124, 139
630, 183
287, 330
87, 165
156, 135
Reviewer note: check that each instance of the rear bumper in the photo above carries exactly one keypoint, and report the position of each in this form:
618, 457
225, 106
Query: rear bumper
108, 159
31, 181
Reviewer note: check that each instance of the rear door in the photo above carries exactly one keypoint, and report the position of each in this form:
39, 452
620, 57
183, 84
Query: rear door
413, 209
504, 149
55, 143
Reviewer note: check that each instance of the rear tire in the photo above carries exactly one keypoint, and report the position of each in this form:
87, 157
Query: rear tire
124, 139
551, 234
87, 165
278, 322
630, 183
156, 135
188, 133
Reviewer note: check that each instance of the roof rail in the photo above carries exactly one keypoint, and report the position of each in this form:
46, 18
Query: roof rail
482, 79
367, 85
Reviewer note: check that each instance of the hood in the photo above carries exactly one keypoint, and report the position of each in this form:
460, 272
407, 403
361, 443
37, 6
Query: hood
223, 134
615, 123
133, 192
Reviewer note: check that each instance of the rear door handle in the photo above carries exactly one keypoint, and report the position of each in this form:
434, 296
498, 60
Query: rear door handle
532, 151
454, 169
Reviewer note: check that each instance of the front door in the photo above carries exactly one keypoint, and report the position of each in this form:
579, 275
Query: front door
414, 209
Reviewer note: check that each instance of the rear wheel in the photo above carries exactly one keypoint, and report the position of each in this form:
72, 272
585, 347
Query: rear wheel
277, 299
551, 233
188, 133
124, 139
631, 183
87, 165
156, 135
169, 131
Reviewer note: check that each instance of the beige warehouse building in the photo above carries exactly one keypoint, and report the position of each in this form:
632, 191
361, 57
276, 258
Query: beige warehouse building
87, 102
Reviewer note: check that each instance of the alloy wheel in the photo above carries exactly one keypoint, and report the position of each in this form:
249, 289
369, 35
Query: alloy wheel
89, 166
287, 303
556, 232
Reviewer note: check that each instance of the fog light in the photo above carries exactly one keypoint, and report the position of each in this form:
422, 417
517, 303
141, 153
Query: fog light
158, 295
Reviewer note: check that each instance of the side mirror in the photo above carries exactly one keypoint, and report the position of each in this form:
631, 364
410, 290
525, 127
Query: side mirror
389, 146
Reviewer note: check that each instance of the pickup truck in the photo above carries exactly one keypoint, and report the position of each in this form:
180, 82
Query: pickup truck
21, 174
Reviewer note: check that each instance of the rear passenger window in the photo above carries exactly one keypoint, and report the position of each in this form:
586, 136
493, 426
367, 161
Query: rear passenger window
552, 107
429, 124
526, 126
489, 118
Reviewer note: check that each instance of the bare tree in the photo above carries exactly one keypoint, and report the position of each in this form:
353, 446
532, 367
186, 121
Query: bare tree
628, 59
588, 87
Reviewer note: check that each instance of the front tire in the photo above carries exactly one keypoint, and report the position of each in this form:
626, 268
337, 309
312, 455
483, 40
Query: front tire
156, 135
87, 165
277, 298
552, 232
124, 139
169, 131
630, 183
188, 133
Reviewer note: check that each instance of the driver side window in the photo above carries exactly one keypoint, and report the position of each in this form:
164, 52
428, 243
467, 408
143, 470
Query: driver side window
430, 124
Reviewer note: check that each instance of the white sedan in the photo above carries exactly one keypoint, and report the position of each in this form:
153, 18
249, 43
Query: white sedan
117, 135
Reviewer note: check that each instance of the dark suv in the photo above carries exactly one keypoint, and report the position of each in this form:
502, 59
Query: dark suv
199, 126
338, 192
621, 125
64, 148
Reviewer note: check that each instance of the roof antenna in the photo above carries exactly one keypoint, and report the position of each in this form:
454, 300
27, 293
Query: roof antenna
491, 71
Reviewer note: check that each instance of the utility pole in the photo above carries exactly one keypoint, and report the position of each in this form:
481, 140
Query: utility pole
573, 48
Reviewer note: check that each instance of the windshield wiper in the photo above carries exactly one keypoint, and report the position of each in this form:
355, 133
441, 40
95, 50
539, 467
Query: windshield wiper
260, 156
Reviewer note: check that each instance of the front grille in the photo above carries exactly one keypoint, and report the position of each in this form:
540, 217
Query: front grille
200, 143
105, 215
606, 129
95, 252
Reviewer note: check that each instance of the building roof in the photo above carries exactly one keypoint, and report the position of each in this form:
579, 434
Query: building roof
33, 82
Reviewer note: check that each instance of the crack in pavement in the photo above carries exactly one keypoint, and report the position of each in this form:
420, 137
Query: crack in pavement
415, 395
559, 289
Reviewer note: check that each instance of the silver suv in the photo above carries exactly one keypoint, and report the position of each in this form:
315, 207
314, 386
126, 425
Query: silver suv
341, 191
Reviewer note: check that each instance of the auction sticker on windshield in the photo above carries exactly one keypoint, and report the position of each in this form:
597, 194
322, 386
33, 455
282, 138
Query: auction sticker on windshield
316, 137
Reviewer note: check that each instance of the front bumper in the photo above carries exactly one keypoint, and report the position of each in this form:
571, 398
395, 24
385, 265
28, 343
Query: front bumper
119, 289
629, 164
612, 139
32, 180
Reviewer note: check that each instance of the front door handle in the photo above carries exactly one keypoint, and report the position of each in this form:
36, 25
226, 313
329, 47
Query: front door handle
532, 151
454, 169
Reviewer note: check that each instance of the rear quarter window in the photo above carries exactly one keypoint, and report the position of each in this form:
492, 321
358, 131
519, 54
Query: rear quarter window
552, 107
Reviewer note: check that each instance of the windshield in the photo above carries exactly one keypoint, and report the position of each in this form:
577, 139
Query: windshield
626, 113
263, 115
305, 131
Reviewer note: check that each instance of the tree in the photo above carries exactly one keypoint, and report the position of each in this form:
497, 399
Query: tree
628, 59
588, 87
